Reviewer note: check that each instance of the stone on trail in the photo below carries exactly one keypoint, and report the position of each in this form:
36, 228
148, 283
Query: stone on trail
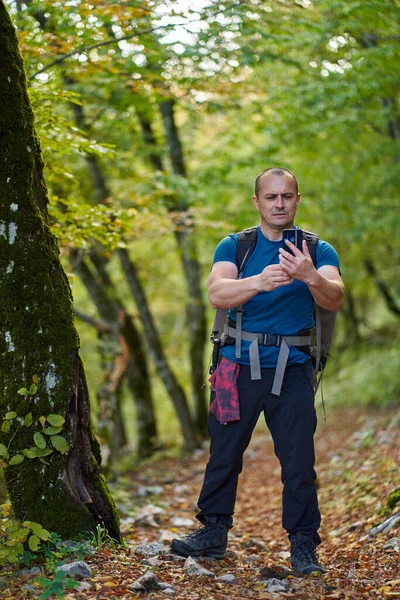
227, 578
149, 550
76, 569
252, 558
170, 557
149, 583
276, 586
151, 562
193, 568
393, 544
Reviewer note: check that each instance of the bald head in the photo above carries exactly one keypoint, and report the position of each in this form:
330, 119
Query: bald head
280, 171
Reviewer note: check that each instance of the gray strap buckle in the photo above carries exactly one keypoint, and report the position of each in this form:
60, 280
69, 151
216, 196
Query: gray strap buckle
270, 339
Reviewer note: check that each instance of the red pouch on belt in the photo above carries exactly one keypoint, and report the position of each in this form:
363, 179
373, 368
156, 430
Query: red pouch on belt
225, 406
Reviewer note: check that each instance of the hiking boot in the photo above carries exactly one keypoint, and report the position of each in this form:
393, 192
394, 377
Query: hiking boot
210, 540
303, 556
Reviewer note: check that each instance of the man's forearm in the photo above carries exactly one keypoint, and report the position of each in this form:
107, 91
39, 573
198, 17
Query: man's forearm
229, 293
326, 293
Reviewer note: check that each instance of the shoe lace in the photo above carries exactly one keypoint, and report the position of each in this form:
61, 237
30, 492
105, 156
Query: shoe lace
203, 530
305, 549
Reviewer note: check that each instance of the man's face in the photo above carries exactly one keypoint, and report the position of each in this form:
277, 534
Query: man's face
277, 201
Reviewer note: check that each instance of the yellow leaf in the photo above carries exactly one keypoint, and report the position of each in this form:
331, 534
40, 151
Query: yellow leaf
110, 584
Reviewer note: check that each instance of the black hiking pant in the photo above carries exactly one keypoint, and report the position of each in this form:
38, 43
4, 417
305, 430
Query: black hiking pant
291, 419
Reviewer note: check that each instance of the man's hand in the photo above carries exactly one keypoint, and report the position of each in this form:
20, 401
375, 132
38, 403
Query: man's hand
325, 284
273, 277
300, 266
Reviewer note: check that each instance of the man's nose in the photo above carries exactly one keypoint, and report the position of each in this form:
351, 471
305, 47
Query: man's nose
279, 200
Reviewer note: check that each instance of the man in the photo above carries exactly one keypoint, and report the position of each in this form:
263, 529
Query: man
277, 291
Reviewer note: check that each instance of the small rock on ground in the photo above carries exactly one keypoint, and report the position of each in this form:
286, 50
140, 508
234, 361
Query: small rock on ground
227, 578
192, 567
76, 569
394, 544
149, 550
276, 585
148, 583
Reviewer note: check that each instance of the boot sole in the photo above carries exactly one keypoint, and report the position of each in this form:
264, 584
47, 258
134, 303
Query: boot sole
183, 550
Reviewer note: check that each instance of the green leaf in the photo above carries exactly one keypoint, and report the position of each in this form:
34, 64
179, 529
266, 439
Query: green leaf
6, 426
60, 444
28, 420
38, 530
29, 453
17, 459
42, 421
56, 420
11, 415
42, 452
33, 389
3, 451
23, 392
39, 440
33, 542
52, 430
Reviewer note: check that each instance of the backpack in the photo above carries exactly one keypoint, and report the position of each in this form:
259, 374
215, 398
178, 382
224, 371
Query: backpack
324, 319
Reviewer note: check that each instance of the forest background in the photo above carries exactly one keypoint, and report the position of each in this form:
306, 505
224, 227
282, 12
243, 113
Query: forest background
154, 119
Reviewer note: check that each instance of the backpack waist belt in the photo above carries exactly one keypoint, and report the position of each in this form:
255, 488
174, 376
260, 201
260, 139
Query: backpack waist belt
268, 339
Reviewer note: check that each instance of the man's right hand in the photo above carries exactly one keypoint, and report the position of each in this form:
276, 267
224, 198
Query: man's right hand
273, 277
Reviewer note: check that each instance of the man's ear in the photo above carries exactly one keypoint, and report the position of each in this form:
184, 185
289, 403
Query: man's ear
298, 200
255, 202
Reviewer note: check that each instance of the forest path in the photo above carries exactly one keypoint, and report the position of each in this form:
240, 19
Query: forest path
358, 457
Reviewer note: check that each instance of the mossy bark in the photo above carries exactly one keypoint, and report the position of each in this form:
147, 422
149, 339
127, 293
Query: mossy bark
65, 493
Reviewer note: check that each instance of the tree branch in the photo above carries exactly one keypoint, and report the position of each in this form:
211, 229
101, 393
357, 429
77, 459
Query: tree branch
84, 49
101, 326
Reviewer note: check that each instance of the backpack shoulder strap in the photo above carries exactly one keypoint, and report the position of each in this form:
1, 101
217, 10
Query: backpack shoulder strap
312, 241
245, 247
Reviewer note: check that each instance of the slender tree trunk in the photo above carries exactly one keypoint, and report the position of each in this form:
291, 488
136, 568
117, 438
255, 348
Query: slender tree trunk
175, 391
391, 301
65, 492
352, 319
103, 296
195, 309
157, 353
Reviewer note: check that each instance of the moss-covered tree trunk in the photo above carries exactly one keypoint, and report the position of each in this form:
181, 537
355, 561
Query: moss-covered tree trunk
65, 492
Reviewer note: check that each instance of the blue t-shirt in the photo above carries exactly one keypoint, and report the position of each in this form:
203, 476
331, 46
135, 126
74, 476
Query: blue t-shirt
285, 311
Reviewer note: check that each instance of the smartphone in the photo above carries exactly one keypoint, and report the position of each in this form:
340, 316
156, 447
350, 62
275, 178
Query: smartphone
295, 236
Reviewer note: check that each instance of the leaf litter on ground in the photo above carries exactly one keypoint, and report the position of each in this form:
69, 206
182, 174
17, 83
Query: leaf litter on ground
357, 454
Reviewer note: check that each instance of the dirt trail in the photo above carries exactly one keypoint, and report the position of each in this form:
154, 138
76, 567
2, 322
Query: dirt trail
358, 457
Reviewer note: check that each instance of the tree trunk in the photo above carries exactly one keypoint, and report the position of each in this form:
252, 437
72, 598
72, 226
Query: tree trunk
195, 309
65, 492
100, 290
391, 301
157, 353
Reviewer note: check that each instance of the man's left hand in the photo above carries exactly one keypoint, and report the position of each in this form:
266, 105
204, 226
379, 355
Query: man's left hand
300, 266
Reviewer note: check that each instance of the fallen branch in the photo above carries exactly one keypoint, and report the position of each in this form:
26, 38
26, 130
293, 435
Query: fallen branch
385, 526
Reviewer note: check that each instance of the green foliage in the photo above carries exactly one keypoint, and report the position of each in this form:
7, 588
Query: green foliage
14, 535
57, 585
393, 499
366, 379
12, 422
99, 538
